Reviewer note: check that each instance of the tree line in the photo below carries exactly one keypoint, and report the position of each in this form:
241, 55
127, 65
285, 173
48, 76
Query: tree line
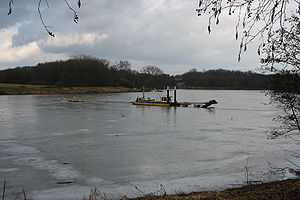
228, 79
87, 71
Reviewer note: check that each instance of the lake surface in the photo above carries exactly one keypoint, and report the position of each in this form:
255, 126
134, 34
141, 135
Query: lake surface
106, 142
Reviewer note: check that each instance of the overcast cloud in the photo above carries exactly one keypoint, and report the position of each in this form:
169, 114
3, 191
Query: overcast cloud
165, 33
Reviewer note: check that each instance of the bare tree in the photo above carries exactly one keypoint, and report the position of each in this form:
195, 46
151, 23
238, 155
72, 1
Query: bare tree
75, 15
281, 54
123, 65
152, 70
255, 18
277, 24
282, 51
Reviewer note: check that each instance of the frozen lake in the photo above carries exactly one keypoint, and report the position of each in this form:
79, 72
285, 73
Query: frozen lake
107, 143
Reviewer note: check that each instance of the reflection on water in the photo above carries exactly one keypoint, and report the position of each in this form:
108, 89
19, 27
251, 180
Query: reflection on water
106, 142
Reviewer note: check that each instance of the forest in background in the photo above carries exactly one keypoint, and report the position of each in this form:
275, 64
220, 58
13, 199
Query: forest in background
87, 71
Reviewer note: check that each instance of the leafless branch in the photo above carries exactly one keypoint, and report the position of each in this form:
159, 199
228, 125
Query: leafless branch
292, 163
42, 20
3, 191
75, 17
10, 7
140, 191
266, 14
24, 194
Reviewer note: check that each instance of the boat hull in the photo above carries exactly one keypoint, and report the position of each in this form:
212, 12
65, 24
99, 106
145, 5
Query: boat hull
151, 103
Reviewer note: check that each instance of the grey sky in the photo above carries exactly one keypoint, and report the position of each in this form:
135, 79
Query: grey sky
165, 33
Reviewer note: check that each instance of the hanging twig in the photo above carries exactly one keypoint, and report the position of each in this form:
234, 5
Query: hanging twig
293, 163
75, 18
3, 193
24, 194
10, 6
265, 13
42, 20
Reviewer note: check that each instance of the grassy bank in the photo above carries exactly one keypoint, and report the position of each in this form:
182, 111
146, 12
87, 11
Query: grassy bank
278, 190
19, 89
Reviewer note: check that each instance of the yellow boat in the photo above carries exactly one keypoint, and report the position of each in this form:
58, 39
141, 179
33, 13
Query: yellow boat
164, 101
150, 102
167, 102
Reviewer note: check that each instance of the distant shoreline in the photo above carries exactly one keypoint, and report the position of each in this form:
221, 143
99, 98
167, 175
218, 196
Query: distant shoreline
22, 89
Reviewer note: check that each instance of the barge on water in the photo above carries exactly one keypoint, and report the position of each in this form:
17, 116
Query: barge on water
166, 101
